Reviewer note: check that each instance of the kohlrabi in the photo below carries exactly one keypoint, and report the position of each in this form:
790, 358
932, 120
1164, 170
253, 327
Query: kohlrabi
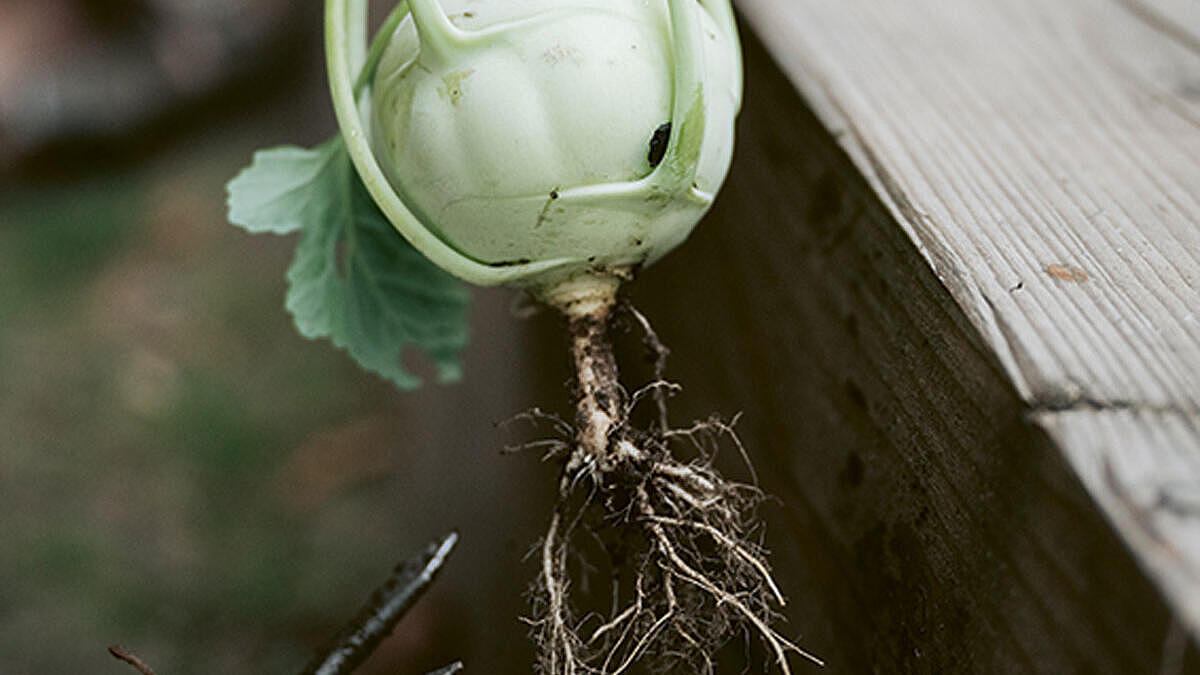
555, 146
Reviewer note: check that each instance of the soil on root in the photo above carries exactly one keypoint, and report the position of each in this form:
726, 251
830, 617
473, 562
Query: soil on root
688, 571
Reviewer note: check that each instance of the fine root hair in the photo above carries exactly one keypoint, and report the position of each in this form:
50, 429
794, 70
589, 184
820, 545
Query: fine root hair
676, 546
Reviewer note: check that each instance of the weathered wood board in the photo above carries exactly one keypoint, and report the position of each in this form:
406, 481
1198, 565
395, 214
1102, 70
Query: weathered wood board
1045, 156
967, 300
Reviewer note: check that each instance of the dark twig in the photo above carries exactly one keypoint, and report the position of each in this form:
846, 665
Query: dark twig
123, 655
659, 352
383, 611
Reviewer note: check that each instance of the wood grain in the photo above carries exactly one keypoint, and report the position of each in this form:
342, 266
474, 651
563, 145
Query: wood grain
1044, 160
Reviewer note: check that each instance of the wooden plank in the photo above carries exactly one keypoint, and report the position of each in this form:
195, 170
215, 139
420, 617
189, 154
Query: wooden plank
935, 522
1152, 495
929, 524
1012, 136
1044, 159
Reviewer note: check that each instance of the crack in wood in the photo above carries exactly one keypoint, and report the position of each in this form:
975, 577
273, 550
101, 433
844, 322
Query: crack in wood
1049, 403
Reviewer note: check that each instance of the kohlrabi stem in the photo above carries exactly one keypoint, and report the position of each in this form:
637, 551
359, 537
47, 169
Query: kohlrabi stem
438, 35
378, 45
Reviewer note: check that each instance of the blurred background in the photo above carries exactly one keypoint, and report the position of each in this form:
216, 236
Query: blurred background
180, 471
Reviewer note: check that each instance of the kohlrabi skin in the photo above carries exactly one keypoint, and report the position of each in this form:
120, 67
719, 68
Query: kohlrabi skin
530, 141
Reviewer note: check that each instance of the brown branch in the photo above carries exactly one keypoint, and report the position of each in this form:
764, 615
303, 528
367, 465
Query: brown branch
121, 654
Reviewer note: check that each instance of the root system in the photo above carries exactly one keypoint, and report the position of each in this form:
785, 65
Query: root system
687, 571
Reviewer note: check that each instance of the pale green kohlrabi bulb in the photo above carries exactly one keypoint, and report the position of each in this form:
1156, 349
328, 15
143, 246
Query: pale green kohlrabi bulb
528, 141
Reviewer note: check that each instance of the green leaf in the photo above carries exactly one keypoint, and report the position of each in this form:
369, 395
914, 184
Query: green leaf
354, 279
285, 188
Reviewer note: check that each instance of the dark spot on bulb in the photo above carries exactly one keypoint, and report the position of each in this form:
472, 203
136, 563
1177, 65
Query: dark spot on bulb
658, 144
